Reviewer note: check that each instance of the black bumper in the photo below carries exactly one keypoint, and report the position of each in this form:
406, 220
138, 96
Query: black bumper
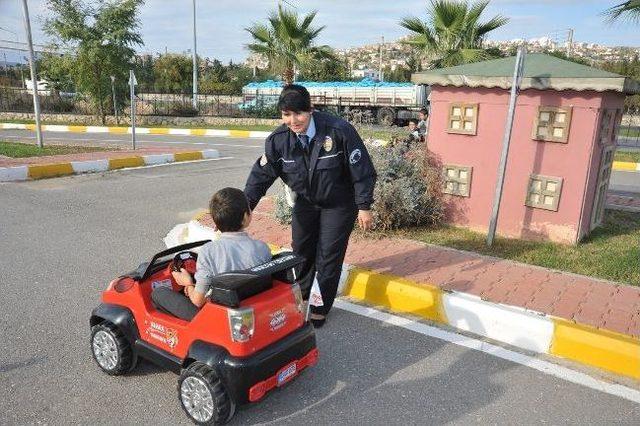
240, 374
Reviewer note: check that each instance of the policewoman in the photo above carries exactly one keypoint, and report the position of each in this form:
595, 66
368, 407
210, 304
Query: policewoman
325, 163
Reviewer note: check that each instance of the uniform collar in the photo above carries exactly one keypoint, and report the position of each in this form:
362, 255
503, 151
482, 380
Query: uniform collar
311, 129
238, 234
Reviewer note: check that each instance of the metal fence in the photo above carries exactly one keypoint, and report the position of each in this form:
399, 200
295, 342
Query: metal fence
21, 100
629, 131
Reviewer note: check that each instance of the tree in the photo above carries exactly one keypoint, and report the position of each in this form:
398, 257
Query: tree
626, 10
453, 33
326, 69
173, 73
57, 71
287, 41
103, 36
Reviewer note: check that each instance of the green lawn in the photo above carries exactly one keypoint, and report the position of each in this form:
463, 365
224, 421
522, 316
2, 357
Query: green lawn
630, 156
21, 150
611, 252
255, 127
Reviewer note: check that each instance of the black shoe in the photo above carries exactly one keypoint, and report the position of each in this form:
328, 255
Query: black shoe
317, 323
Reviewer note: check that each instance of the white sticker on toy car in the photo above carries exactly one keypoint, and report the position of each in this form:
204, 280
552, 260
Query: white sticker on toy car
355, 156
166, 335
161, 283
278, 320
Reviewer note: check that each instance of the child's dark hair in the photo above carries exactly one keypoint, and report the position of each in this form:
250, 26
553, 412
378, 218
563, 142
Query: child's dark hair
424, 111
294, 98
414, 121
227, 208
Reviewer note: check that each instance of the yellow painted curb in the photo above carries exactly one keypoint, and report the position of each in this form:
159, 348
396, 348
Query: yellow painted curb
78, 129
118, 130
158, 131
200, 215
198, 132
50, 170
30, 127
610, 351
188, 156
121, 163
239, 133
624, 165
396, 293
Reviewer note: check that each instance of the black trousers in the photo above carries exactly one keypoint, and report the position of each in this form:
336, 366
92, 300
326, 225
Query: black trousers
174, 303
321, 235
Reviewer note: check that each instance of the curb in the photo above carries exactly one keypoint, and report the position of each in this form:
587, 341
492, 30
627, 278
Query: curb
139, 130
626, 166
42, 171
526, 329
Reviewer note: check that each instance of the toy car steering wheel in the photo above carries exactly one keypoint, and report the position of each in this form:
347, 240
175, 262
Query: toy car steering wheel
184, 259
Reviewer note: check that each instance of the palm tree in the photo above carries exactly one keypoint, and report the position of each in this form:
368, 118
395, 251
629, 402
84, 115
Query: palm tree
453, 33
629, 9
287, 42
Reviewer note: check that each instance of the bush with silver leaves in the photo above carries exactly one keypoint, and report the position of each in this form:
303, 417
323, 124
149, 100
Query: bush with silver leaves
407, 191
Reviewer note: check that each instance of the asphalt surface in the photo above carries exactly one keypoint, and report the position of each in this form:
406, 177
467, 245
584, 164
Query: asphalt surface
249, 149
64, 239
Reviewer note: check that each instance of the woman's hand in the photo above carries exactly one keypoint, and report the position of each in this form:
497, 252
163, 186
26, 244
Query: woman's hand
365, 219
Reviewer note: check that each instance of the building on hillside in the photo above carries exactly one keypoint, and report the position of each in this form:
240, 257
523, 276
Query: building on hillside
561, 151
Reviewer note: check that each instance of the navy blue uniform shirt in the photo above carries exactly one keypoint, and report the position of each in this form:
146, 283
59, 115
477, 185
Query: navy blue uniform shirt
338, 172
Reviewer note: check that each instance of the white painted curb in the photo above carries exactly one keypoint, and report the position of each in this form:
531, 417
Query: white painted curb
10, 174
210, 153
152, 159
90, 166
509, 324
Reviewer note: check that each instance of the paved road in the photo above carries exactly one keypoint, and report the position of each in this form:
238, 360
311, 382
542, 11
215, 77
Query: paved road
63, 239
245, 149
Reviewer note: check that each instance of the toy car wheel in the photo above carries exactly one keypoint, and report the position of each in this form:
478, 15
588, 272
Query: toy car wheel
203, 397
110, 349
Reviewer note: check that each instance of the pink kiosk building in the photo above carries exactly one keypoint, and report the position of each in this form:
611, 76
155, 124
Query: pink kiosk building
561, 151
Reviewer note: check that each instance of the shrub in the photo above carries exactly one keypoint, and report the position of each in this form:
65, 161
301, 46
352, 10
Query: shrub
407, 193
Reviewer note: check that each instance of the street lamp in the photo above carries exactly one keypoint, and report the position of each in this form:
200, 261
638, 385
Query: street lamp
34, 76
113, 92
195, 61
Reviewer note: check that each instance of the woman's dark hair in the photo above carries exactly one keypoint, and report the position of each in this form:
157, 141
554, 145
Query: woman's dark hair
294, 98
424, 111
227, 208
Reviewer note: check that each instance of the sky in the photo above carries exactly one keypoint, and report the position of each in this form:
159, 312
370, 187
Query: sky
167, 24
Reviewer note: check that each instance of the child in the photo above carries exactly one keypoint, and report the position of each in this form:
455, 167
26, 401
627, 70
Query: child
234, 250
423, 124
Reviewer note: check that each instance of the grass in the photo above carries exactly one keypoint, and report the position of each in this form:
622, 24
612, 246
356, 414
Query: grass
255, 127
629, 156
611, 252
22, 150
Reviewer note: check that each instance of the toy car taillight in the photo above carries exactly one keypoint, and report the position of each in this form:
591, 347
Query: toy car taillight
298, 295
241, 324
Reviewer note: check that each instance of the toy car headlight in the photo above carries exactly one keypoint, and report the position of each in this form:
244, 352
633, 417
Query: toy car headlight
241, 324
298, 295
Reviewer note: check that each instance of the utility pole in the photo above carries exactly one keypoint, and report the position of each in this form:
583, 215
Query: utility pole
380, 77
34, 76
113, 92
570, 42
195, 61
518, 70
132, 92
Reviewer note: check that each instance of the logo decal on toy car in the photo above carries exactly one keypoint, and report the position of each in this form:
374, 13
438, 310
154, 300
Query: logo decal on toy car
166, 335
278, 319
161, 283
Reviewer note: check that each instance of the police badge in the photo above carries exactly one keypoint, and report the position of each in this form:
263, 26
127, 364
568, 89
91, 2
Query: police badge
328, 143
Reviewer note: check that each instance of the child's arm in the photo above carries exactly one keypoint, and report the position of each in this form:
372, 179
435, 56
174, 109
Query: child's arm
184, 279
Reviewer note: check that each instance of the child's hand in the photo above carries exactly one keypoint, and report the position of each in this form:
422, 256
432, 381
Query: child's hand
183, 277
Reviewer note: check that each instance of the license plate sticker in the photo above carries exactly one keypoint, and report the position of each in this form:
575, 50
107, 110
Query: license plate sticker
287, 373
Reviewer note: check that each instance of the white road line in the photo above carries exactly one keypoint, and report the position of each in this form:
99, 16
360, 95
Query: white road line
497, 351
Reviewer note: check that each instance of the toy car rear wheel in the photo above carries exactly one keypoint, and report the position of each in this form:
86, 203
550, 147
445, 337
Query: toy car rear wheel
203, 396
111, 350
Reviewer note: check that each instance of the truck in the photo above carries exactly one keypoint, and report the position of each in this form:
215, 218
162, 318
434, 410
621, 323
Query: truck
388, 103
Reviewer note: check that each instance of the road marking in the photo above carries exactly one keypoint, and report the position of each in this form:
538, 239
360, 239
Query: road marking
142, 141
497, 351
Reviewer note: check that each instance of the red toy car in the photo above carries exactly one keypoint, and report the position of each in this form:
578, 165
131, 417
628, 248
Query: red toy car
250, 336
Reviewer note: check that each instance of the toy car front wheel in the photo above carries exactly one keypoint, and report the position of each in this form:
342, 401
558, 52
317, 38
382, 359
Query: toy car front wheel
203, 397
110, 349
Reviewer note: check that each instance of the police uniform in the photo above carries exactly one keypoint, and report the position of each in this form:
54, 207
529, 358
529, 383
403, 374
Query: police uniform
332, 177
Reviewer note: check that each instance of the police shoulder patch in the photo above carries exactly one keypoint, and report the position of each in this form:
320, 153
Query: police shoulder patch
355, 156
263, 160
